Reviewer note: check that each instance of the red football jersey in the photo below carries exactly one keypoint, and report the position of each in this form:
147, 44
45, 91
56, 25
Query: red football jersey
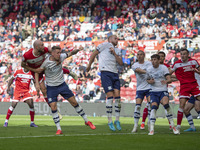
32, 60
22, 80
184, 71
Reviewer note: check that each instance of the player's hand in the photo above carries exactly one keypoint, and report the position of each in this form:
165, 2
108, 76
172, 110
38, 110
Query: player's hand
151, 81
88, 68
163, 82
112, 50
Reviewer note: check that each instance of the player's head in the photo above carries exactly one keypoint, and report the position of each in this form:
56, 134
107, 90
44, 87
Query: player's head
140, 56
162, 57
56, 51
155, 59
39, 46
113, 39
184, 54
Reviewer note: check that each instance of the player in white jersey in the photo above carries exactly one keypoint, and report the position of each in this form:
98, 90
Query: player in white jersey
192, 103
159, 77
52, 67
109, 57
143, 87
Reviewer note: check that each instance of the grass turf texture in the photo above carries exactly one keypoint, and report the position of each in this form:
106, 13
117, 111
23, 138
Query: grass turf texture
18, 135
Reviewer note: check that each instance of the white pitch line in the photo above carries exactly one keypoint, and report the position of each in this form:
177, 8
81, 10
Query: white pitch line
39, 136
97, 134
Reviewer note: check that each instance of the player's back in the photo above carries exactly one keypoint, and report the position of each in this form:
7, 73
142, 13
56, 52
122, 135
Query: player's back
142, 78
22, 80
107, 61
32, 60
184, 71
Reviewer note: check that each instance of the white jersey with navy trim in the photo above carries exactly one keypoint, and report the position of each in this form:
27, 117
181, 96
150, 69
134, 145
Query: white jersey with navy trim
53, 71
107, 61
142, 83
158, 74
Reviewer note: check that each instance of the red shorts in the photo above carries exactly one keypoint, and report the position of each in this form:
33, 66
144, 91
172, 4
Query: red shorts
21, 96
41, 78
186, 90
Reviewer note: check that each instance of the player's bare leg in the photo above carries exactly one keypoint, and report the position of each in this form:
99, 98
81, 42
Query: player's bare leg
31, 112
169, 115
197, 108
117, 108
44, 92
55, 116
9, 113
80, 111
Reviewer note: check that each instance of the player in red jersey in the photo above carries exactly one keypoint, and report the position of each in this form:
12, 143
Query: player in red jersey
185, 72
22, 79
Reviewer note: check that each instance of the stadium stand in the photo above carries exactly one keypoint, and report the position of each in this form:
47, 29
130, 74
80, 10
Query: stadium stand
92, 21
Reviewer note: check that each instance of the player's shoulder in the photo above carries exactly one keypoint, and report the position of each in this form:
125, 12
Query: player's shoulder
167, 65
178, 61
28, 53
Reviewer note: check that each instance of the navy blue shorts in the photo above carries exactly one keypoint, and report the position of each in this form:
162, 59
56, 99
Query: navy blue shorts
110, 81
142, 93
192, 100
157, 96
54, 91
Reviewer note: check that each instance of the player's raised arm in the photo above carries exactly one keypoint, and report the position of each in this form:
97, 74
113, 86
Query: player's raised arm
92, 57
75, 51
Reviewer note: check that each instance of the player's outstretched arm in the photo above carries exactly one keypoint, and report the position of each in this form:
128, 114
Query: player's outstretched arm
75, 51
167, 81
9, 84
92, 57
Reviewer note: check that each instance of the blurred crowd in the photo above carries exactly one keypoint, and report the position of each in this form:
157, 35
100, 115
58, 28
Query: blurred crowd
92, 20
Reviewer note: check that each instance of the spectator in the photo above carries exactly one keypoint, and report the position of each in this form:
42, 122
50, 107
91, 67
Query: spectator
196, 49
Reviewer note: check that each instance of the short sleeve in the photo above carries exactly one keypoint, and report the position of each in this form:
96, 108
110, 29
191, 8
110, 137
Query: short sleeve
43, 65
134, 67
197, 64
63, 56
165, 70
23, 58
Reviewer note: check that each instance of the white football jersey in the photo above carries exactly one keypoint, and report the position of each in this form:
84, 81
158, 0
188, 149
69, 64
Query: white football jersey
107, 61
158, 74
142, 83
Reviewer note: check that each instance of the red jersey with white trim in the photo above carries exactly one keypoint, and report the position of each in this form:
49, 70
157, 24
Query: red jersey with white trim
22, 80
32, 60
184, 71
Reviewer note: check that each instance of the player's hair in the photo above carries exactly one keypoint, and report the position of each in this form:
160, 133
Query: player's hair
110, 37
162, 53
141, 52
55, 47
184, 49
155, 56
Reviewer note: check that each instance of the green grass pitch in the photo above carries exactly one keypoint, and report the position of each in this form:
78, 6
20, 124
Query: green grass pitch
18, 135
